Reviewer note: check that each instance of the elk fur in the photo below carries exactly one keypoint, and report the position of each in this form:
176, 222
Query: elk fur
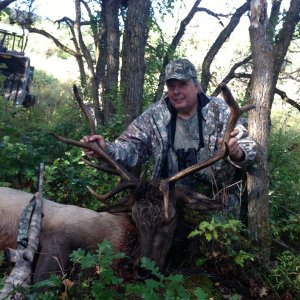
64, 229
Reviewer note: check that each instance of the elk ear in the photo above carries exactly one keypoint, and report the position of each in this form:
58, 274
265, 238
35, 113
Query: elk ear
197, 201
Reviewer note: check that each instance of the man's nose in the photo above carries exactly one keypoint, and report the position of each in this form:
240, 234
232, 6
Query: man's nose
176, 90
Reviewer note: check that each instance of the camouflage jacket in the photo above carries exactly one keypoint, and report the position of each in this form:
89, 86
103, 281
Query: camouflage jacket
147, 136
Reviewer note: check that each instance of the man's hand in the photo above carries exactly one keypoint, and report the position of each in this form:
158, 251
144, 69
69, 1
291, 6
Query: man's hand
235, 151
93, 138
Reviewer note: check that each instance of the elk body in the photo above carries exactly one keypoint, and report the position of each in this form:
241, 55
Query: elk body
64, 229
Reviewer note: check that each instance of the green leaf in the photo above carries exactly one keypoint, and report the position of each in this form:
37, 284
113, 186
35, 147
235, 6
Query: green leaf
242, 257
151, 266
208, 236
200, 294
52, 281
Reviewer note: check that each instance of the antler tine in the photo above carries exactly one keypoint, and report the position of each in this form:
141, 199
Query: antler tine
104, 156
84, 109
122, 186
117, 169
99, 167
164, 184
98, 149
236, 112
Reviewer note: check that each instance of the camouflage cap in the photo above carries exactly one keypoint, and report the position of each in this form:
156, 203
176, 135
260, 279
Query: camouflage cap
181, 69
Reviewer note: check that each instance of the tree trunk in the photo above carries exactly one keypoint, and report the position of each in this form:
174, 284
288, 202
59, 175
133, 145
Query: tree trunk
90, 63
133, 63
267, 61
112, 59
259, 125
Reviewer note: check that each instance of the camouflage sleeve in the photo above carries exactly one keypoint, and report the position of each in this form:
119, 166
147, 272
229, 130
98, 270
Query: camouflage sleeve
133, 146
247, 144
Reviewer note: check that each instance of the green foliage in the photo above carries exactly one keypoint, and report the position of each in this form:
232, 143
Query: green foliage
26, 141
101, 261
222, 236
164, 287
284, 165
163, 8
103, 258
296, 34
21, 149
292, 227
200, 294
105, 284
242, 257
285, 275
52, 286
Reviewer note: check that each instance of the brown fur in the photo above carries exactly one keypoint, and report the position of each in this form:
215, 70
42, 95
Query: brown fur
68, 227
64, 229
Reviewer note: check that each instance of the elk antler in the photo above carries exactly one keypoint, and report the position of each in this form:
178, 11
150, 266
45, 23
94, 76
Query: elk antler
235, 113
117, 169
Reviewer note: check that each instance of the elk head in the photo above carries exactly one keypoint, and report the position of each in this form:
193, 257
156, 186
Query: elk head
153, 205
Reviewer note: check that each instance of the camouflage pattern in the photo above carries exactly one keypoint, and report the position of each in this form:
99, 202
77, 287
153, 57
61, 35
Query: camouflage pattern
29, 228
22, 238
181, 69
147, 136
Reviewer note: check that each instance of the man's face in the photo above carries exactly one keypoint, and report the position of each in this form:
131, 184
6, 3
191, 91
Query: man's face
183, 96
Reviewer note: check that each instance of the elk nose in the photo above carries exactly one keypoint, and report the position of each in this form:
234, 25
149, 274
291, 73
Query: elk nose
141, 273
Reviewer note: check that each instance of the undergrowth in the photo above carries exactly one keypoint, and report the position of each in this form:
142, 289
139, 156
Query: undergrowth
105, 283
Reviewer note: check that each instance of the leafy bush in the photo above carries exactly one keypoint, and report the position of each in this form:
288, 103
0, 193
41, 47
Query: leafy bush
26, 141
285, 275
223, 240
103, 283
21, 149
284, 165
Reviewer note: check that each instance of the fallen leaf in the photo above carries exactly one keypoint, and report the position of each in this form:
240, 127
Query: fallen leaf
68, 283
263, 292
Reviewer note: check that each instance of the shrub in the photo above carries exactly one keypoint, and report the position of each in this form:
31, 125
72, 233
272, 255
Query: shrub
285, 274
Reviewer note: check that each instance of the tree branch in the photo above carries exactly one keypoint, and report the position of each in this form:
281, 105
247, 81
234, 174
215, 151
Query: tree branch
231, 74
214, 49
211, 13
55, 40
286, 99
171, 49
5, 3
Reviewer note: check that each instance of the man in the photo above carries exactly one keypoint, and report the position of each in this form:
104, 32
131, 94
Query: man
181, 129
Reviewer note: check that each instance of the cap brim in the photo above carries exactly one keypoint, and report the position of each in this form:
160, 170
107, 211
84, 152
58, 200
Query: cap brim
183, 78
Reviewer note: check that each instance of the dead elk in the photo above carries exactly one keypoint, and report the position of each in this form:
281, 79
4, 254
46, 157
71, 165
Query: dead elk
68, 227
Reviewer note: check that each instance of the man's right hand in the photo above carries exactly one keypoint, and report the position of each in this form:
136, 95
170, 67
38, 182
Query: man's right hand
93, 138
